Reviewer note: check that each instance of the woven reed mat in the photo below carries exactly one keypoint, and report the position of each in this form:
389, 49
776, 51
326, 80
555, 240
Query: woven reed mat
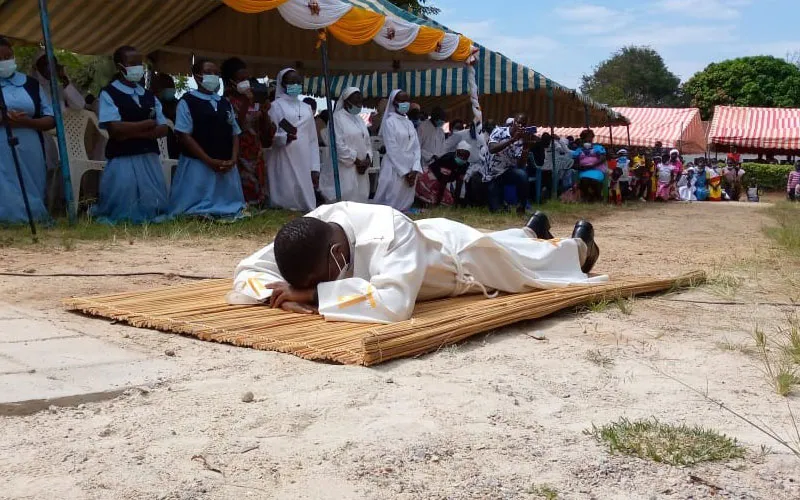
199, 309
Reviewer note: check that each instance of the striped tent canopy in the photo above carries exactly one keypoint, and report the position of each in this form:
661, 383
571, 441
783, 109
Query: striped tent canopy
680, 128
374, 35
755, 130
505, 88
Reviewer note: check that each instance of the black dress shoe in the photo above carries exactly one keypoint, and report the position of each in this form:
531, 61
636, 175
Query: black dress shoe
585, 231
540, 225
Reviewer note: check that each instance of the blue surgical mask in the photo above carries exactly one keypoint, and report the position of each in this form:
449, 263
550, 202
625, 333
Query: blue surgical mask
403, 107
354, 110
416, 122
294, 89
439, 123
134, 74
461, 162
8, 68
210, 83
167, 95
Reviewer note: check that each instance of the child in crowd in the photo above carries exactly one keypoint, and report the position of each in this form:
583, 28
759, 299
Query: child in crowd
700, 181
665, 176
624, 166
207, 182
793, 183
733, 175
686, 185
714, 184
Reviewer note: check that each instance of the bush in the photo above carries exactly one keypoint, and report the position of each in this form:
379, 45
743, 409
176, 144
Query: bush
769, 177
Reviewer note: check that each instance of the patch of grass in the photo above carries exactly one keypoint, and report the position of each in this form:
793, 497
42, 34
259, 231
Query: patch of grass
262, 226
61, 235
724, 283
791, 337
787, 231
598, 358
666, 443
543, 491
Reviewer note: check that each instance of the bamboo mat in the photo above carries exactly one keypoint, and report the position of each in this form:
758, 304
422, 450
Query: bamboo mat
199, 310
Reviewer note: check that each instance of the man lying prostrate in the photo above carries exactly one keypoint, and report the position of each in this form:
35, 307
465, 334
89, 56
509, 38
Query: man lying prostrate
371, 264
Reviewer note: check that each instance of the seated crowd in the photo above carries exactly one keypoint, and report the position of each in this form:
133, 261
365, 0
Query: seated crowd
245, 148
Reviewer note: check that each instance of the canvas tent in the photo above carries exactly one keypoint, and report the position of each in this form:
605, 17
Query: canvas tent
679, 128
379, 40
755, 130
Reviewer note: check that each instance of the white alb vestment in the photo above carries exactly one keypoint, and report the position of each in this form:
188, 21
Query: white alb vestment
402, 157
431, 142
290, 165
395, 262
352, 143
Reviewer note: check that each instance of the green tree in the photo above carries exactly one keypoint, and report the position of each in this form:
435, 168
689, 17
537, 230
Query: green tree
633, 76
763, 81
417, 7
87, 73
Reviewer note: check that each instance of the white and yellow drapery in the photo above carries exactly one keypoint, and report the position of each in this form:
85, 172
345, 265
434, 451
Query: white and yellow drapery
356, 22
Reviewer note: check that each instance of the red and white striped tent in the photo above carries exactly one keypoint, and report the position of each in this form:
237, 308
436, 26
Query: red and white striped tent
679, 128
755, 130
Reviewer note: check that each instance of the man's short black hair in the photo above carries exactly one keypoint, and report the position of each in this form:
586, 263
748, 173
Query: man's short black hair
301, 247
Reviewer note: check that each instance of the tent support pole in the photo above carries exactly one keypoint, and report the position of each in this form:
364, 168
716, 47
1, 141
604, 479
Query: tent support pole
551, 112
628, 128
611, 137
55, 90
323, 43
586, 120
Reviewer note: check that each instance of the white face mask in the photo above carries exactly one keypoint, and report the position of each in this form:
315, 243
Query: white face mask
243, 86
343, 266
134, 74
8, 68
210, 83
587, 145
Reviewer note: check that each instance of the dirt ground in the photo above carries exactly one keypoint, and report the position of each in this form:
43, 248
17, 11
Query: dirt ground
491, 418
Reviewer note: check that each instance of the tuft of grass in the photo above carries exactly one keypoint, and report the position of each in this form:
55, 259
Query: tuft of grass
666, 443
779, 369
598, 306
727, 345
543, 491
725, 284
625, 306
598, 358
791, 338
787, 231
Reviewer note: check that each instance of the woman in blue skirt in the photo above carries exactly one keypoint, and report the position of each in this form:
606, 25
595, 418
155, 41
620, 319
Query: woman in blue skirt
30, 113
132, 188
207, 182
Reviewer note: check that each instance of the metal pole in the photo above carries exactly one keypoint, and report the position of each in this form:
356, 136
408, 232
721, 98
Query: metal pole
323, 38
628, 127
551, 112
611, 138
12, 144
55, 92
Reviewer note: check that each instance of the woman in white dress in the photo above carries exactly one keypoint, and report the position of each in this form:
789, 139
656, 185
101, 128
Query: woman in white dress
354, 150
294, 158
401, 164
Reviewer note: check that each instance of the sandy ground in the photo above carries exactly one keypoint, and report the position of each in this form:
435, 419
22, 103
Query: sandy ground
490, 418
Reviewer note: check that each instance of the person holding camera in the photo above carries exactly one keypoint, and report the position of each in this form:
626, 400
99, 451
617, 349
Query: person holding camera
509, 148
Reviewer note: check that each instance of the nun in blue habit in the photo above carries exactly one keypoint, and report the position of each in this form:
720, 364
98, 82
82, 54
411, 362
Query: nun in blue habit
132, 188
207, 182
30, 114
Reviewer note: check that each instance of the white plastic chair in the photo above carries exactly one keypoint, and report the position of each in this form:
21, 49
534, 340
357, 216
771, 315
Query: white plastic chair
377, 144
75, 123
167, 163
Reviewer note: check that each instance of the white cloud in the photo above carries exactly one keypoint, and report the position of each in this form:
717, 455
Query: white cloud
704, 9
592, 19
523, 49
661, 36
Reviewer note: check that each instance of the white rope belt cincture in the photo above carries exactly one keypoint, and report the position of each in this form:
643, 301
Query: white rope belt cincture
465, 282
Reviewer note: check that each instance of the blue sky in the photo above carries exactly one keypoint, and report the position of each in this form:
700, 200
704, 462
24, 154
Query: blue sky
564, 40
